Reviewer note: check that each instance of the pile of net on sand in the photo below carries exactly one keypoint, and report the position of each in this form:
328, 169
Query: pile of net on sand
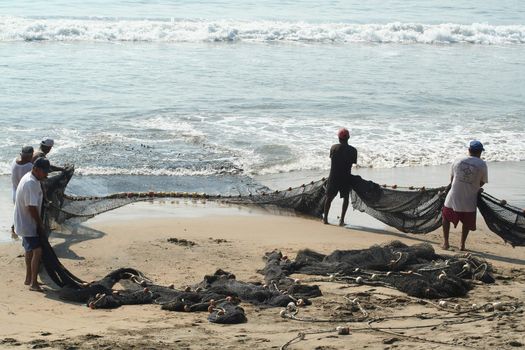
415, 270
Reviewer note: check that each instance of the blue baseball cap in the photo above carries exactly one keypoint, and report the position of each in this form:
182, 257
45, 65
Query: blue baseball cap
476, 146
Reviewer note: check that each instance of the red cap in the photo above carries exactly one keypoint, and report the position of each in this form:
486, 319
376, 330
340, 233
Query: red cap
343, 134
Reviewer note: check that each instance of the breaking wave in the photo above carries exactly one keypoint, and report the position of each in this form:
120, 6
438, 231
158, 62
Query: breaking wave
117, 30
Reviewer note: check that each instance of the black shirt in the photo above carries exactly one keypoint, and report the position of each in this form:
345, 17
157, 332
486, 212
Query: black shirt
343, 156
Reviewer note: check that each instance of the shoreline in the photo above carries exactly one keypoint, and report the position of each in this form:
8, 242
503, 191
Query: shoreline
504, 183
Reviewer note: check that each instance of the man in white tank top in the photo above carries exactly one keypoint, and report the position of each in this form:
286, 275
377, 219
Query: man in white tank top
19, 167
468, 175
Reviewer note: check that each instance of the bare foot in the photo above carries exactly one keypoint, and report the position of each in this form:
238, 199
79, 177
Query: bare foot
445, 247
36, 288
463, 249
325, 221
27, 282
341, 223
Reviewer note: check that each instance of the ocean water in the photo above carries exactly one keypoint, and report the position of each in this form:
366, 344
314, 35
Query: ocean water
225, 91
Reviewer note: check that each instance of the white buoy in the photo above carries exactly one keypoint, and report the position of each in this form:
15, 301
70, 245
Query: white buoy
283, 313
342, 330
498, 306
359, 280
291, 306
442, 303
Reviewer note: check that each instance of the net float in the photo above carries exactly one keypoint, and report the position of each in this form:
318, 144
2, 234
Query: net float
394, 186
503, 202
373, 277
498, 306
115, 292
143, 283
212, 302
357, 269
282, 313
187, 308
442, 276
291, 306
220, 313
359, 279
91, 305
146, 290
187, 289
389, 273
300, 302
297, 281
171, 286
343, 330
229, 299
211, 308
457, 307
474, 306
466, 267
442, 303
198, 289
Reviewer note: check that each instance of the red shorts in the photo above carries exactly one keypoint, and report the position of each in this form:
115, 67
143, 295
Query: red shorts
466, 217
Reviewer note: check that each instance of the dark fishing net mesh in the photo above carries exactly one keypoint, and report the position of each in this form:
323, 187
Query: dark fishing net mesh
415, 270
505, 220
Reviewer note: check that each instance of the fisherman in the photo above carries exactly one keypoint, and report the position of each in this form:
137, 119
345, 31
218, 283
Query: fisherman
19, 167
342, 156
468, 175
45, 147
28, 221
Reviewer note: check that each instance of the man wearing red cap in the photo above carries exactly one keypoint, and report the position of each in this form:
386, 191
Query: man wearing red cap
342, 156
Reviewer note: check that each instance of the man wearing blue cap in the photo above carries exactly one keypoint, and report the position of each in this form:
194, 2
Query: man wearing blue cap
28, 220
468, 175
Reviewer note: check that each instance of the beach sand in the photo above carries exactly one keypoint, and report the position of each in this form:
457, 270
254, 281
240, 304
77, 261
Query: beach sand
235, 239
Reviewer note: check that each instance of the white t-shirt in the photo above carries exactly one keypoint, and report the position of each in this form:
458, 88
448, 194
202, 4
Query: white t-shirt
468, 173
17, 171
28, 193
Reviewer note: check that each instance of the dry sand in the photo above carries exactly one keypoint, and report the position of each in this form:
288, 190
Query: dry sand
235, 240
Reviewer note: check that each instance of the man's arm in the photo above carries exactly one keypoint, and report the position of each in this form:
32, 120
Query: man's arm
33, 211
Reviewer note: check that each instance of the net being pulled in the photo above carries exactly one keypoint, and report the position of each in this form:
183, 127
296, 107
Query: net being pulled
410, 210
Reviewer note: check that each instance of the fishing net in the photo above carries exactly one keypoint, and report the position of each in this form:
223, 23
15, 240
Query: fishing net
505, 220
410, 210
415, 270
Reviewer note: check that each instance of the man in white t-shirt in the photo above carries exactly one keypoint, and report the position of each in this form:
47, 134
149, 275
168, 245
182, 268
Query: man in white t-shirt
19, 167
28, 221
468, 175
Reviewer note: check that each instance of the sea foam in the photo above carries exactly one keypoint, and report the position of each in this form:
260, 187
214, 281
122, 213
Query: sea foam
116, 30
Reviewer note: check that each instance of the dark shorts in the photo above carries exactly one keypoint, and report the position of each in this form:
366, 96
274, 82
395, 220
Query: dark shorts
467, 218
343, 187
31, 243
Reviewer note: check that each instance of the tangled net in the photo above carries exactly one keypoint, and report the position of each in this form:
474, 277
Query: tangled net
415, 270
